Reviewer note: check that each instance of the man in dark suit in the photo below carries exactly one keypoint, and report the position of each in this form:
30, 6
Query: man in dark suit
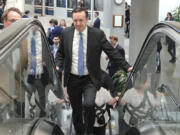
80, 52
56, 31
112, 67
97, 22
26, 14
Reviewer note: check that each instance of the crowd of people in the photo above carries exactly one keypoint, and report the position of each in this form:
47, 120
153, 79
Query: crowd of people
76, 51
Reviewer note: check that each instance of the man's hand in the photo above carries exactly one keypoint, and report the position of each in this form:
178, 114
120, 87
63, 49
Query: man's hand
130, 69
57, 68
60, 101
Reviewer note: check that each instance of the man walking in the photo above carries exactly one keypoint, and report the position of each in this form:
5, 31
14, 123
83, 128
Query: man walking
80, 52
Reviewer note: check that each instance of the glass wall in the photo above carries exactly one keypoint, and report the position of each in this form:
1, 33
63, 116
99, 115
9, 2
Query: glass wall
28, 1
79, 3
61, 3
49, 3
98, 5
72, 3
37, 2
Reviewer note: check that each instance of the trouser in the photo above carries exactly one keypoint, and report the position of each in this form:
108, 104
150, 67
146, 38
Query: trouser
78, 87
100, 130
38, 85
171, 47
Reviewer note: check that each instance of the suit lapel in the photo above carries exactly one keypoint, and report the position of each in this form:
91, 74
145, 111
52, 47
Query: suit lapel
71, 36
89, 40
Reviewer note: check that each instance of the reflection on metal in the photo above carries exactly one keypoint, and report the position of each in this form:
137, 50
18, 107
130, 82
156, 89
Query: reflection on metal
163, 84
160, 56
17, 115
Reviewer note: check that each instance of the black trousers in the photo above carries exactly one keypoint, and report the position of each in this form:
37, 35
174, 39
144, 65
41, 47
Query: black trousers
38, 85
83, 113
100, 130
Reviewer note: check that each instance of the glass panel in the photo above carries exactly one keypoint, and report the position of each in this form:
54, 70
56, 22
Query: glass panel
27, 76
37, 2
61, 3
49, 11
38, 10
98, 5
49, 3
158, 75
87, 4
72, 3
28, 1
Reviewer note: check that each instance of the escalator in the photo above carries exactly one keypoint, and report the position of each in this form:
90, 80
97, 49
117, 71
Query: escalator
23, 104
157, 72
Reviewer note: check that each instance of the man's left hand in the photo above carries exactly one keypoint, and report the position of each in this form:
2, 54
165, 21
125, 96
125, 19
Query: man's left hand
130, 69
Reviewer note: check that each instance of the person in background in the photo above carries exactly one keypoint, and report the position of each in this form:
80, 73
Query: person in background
97, 21
169, 17
63, 23
127, 19
80, 52
170, 42
112, 68
36, 17
1, 11
26, 14
51, 27
103, 97
56, 31
54, 49
139, 101
10, 16
158, 56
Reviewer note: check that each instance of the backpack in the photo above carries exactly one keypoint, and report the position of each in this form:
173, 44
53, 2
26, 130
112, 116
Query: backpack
100, 110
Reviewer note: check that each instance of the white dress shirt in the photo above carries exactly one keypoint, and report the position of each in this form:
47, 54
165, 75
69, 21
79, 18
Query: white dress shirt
55, 49
38, 58
75, 47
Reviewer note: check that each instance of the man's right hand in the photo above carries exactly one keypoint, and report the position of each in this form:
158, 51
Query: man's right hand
57, 68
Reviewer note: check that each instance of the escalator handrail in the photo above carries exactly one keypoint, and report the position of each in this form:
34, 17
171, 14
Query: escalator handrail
17, 30
165, 89
169, 24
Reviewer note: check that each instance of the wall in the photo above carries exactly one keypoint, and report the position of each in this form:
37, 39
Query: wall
144, 15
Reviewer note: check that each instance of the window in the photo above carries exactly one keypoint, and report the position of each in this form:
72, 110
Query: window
61, 3
49, 11
49, 3
37, 2
79, 3
98, 5
28, 1
72, 3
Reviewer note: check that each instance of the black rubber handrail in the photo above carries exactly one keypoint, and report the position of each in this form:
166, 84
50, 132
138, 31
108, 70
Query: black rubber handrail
169, 24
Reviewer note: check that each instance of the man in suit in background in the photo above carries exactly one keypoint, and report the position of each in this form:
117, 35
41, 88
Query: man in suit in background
112, 67
26, 14
10, 16
80, 53
97, 21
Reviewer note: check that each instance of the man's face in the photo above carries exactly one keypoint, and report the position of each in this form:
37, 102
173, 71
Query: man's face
112, 41
95, 15
56, 40
80, 21
11, 18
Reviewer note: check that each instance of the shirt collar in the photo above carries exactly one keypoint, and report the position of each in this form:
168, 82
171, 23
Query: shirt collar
116, 45
84, 32
56, 46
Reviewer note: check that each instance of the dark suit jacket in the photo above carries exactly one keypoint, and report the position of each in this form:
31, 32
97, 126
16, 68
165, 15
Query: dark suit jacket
111, 65
97, 23
56, 31
96, 43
